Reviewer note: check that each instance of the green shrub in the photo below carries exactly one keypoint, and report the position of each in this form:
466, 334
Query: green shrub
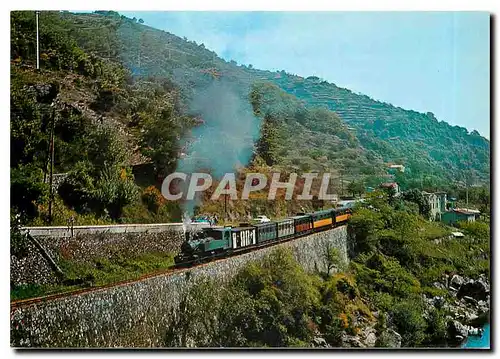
27, 191
153, 198
77, 188
407, 316
436, 332
113, 192
477, 229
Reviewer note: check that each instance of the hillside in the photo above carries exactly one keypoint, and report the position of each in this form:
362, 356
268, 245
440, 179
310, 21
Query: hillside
415, 139
103, 122
391, 134
124, 95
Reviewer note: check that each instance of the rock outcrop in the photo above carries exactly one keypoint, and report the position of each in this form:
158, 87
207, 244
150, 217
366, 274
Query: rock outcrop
468, 308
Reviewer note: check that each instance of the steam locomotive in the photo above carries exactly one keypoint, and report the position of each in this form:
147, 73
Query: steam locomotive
221, 241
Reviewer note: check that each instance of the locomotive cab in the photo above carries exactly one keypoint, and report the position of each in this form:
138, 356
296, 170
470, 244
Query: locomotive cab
204, 243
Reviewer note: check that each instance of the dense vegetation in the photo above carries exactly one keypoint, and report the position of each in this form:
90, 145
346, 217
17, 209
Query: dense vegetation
125, 101
419, 141
103, 121
304, 139
396, 260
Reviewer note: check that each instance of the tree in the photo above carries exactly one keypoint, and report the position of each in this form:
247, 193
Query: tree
113, 191
269, 303
332, 257
416, 196
363, 227
404, 224
105, 193
77, 188
436, 332
28, 140
27, 191
284, 296
160, 141
408, 318
356, 188
105, 149
268, 144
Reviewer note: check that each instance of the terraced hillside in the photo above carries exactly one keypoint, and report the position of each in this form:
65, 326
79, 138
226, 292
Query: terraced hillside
382, 132
418, 140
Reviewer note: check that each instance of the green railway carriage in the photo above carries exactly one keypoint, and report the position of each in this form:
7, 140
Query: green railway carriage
286, 229
266, 232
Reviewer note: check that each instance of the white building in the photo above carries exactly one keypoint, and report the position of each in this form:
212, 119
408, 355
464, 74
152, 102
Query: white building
399, 168
437, 203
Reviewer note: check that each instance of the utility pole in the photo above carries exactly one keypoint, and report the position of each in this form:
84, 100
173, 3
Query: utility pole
467, 194
47, 161
466, 182
225, 200
225, 206
341, 185
51, 193
37, 42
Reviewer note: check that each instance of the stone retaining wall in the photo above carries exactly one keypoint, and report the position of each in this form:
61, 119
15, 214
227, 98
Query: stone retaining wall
84, 244
136, 314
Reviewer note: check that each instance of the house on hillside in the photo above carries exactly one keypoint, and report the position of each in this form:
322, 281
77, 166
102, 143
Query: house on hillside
437, 203
392, 185
392, 169
460, 215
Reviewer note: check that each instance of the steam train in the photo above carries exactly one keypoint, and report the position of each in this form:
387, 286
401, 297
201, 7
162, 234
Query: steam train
222, 241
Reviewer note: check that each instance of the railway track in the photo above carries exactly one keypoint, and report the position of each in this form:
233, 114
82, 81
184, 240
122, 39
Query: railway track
176, 269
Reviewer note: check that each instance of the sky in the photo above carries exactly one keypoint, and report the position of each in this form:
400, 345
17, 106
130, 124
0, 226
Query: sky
424, 61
